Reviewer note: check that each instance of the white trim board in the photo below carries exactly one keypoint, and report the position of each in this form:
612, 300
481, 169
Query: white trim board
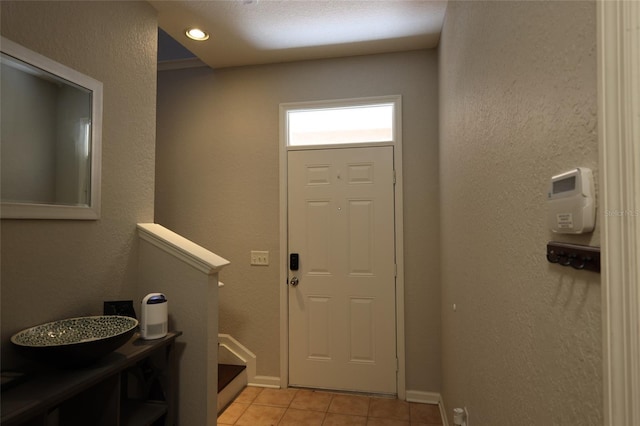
181, 248
236, 350
619, 138
429, 398
424, 397
266, 382
245, 357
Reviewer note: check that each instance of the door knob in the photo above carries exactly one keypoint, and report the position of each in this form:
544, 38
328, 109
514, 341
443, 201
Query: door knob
294, 282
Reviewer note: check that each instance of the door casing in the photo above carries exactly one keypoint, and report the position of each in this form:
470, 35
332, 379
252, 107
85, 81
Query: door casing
399, 226
619, 144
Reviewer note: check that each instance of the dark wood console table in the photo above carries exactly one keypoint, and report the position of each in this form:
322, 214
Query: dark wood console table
136, 385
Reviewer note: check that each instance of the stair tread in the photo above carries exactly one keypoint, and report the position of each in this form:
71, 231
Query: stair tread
226, 373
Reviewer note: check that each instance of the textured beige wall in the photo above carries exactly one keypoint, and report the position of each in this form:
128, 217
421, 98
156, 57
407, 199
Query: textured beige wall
217, 184
55, 268
517, 105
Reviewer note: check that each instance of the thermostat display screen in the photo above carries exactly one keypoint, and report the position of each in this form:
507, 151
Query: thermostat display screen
564, 185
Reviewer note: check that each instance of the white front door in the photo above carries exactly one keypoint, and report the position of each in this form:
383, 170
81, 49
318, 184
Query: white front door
342, 320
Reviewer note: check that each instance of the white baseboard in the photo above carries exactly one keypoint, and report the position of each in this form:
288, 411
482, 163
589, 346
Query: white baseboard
233, 352
428, 398
265, 382
424, 397
242, 355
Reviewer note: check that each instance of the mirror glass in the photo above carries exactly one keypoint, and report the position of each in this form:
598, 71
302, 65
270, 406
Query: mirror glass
49, 138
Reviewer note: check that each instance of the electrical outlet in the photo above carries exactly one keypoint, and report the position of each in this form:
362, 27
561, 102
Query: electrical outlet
260, 258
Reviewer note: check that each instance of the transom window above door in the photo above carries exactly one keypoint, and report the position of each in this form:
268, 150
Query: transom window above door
343, 122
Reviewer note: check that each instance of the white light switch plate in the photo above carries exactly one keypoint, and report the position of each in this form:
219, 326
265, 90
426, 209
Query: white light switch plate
259, 257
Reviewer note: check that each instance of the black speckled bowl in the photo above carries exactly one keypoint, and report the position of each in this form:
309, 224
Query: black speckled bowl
74, 341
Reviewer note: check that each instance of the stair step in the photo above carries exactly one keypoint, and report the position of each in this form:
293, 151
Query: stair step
226, 373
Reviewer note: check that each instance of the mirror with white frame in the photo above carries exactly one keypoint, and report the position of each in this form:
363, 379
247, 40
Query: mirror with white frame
50, 138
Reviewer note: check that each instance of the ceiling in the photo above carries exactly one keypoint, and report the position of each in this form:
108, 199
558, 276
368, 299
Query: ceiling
249, 32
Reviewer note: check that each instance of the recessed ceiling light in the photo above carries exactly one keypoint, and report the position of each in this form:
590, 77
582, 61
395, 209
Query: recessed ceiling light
196, 34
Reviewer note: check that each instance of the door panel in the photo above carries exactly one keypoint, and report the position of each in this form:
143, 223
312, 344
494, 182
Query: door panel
342, 312
362, 332
360, 237
318, 250
319, 332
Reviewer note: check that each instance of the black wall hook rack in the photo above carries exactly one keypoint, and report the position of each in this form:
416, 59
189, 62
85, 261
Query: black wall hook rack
574, 255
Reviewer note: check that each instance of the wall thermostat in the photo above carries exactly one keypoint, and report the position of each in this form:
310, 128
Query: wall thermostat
572, 206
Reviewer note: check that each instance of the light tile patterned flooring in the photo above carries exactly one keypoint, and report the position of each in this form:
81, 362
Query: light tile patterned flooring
300, 407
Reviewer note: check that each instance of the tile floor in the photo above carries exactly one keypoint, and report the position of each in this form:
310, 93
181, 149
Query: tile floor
300, 407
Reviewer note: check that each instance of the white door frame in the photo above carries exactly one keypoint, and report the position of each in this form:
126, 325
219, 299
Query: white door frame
399, 235
619, 146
